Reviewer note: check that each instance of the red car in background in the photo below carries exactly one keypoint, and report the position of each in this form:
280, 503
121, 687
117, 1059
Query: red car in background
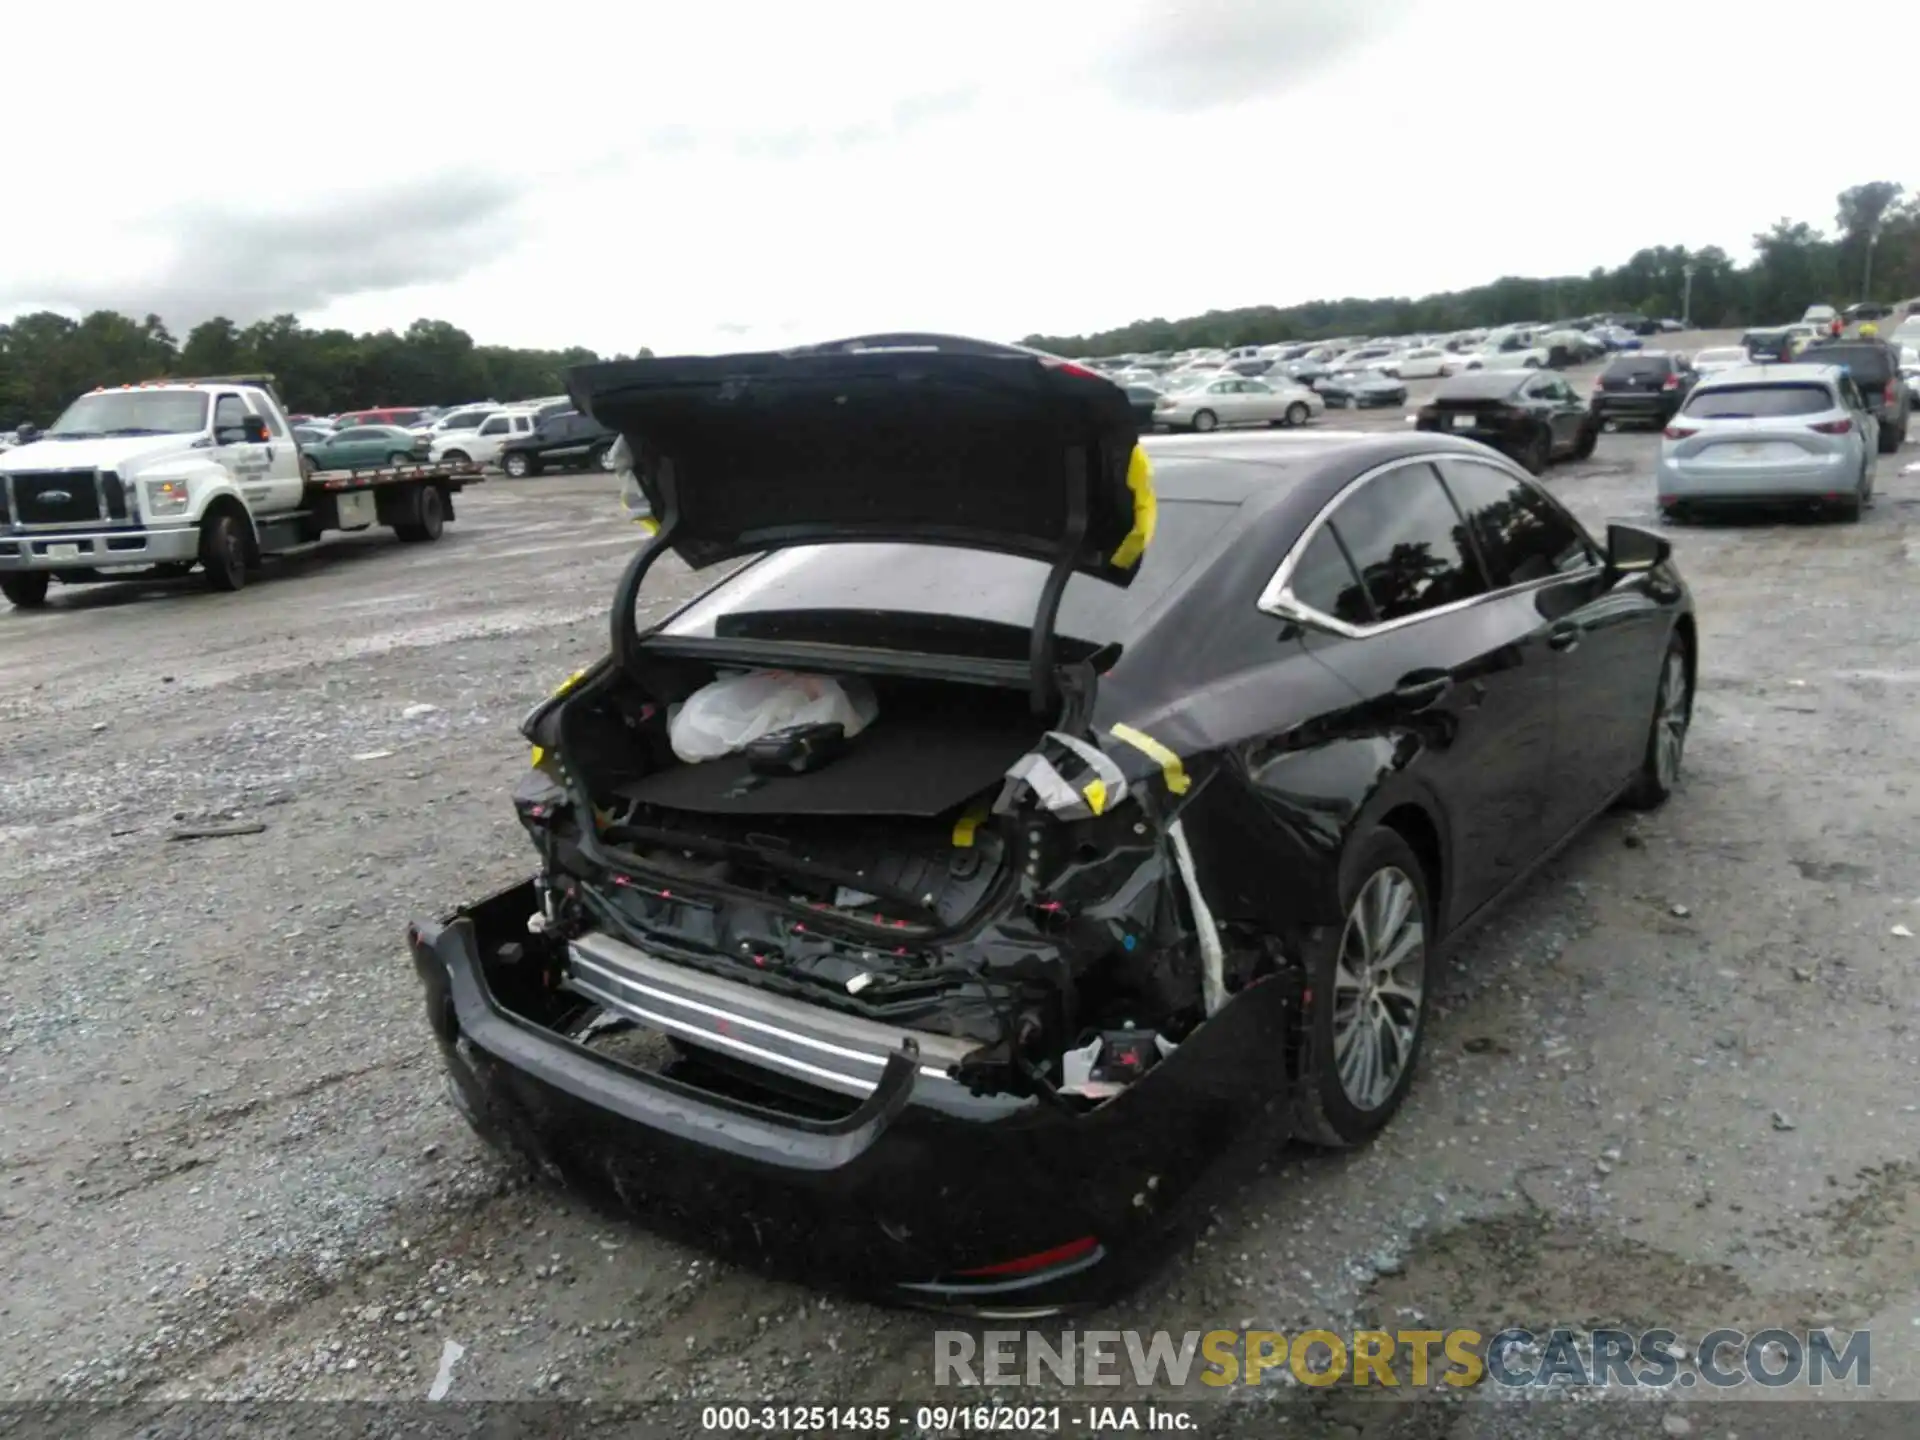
404, 416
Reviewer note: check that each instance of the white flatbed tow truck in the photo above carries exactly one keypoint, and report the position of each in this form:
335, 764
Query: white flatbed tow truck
164, 476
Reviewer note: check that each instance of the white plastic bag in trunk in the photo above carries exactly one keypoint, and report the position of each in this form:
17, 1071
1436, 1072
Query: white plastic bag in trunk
722, 717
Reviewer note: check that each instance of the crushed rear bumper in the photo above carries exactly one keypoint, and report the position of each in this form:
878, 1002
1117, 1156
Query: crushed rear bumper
920, 1193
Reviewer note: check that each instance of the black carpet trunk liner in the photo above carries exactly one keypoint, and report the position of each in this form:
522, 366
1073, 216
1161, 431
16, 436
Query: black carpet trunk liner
920, 767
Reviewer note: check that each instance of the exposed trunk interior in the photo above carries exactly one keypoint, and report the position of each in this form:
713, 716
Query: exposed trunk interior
886, 830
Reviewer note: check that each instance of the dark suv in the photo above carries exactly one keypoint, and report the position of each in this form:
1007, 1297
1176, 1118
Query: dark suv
562, 437
1874, 366
1647, 387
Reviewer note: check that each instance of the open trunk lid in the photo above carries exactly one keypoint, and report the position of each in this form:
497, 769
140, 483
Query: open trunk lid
915, 438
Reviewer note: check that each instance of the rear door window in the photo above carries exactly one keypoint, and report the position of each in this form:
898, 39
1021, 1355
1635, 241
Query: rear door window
1408, 543
1522, 535
1759, 402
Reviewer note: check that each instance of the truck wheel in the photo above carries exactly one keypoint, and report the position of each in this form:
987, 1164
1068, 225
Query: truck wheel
457, 457
223, 552
27, 590
517, 466
430, 517
600, 457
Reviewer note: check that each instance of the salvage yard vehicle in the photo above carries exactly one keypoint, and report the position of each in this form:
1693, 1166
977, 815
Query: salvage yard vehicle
159, 477
1236, 400
1647, 387
1129, 793
1533, 417
1360, 389
1795, 432
1874, 366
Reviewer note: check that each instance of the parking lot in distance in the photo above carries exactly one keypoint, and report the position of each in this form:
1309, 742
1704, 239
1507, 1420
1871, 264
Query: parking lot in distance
1675, 1083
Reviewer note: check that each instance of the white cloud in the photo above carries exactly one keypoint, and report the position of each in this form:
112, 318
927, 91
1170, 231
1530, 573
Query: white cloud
697, 177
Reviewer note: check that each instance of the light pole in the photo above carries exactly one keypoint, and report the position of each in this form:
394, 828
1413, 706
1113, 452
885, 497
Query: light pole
1866, 281
1686, 295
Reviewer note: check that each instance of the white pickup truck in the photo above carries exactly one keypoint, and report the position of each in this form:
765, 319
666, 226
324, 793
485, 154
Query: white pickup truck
166, 475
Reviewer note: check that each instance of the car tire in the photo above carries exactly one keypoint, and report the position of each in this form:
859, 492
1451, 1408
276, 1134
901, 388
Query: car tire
26, 590
223, 552
1659, 770
1537, 453
1848, 509
517, 466
1298, 413
601, 457
429, 518
1891, 439
399, 458
456, 457
1338, 1102
1583, 447
1204, 420
1530, 363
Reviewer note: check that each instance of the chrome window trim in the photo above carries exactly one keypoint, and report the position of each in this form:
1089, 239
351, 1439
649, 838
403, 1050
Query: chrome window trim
1279, 601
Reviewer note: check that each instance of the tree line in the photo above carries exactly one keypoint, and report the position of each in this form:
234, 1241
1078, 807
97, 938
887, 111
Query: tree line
1873, 252
46, 359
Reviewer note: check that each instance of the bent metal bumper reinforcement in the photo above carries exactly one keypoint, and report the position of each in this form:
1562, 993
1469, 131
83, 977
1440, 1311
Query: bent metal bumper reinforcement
824, 1048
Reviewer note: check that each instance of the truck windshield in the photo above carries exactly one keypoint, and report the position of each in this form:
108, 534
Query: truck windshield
133, 412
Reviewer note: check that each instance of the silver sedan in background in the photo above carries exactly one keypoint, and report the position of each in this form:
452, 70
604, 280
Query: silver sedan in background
1769, 433
1235, 400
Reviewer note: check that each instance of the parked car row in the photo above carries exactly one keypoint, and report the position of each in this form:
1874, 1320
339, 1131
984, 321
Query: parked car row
522, 439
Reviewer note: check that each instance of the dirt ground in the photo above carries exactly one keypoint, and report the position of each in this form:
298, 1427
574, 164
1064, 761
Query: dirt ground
1675, 1083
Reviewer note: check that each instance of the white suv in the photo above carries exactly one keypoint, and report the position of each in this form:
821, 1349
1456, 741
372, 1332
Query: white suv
481, 446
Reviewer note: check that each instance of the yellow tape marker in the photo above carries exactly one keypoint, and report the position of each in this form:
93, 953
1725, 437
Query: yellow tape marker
1169, 763
539, 757
965, 826
652, 525
1146, 510
1096, 795
566, 686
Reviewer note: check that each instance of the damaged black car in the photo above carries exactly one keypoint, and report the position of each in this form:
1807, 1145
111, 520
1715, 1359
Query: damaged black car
1022, 812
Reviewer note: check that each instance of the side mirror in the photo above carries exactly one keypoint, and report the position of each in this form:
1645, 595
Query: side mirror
1631, 550
253, 430
27, 434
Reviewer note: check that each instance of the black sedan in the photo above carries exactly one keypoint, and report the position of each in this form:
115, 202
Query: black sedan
1534, 417
1088, 799
1361, 389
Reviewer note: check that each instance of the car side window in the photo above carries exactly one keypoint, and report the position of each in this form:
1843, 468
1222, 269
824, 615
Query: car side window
1408, 543
1324, 580
495, 426
229, 414
522, 424
1523, 536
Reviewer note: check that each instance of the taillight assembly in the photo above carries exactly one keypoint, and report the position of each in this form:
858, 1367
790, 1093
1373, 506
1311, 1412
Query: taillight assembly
1891, 395
1833, 427
1680, 432
1672, 382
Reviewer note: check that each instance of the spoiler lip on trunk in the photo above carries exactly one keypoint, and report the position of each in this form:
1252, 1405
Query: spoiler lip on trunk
915, 438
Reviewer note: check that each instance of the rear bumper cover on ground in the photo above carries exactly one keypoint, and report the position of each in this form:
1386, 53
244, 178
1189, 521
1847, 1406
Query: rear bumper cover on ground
1047, 1208
96, 549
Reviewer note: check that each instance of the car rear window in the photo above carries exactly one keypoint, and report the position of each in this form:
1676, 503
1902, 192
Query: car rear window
879, 579
1482, 385
1631, 366
1760, 402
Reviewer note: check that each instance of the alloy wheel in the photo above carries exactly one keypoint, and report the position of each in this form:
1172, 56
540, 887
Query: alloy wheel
1378, 981
1670, 732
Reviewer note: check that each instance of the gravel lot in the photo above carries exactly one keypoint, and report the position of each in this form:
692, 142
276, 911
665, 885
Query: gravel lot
1675, 1083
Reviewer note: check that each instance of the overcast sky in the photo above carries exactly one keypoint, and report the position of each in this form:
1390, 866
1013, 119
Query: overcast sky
698, 177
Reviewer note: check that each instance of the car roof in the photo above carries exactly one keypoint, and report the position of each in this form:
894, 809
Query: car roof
1769, 374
